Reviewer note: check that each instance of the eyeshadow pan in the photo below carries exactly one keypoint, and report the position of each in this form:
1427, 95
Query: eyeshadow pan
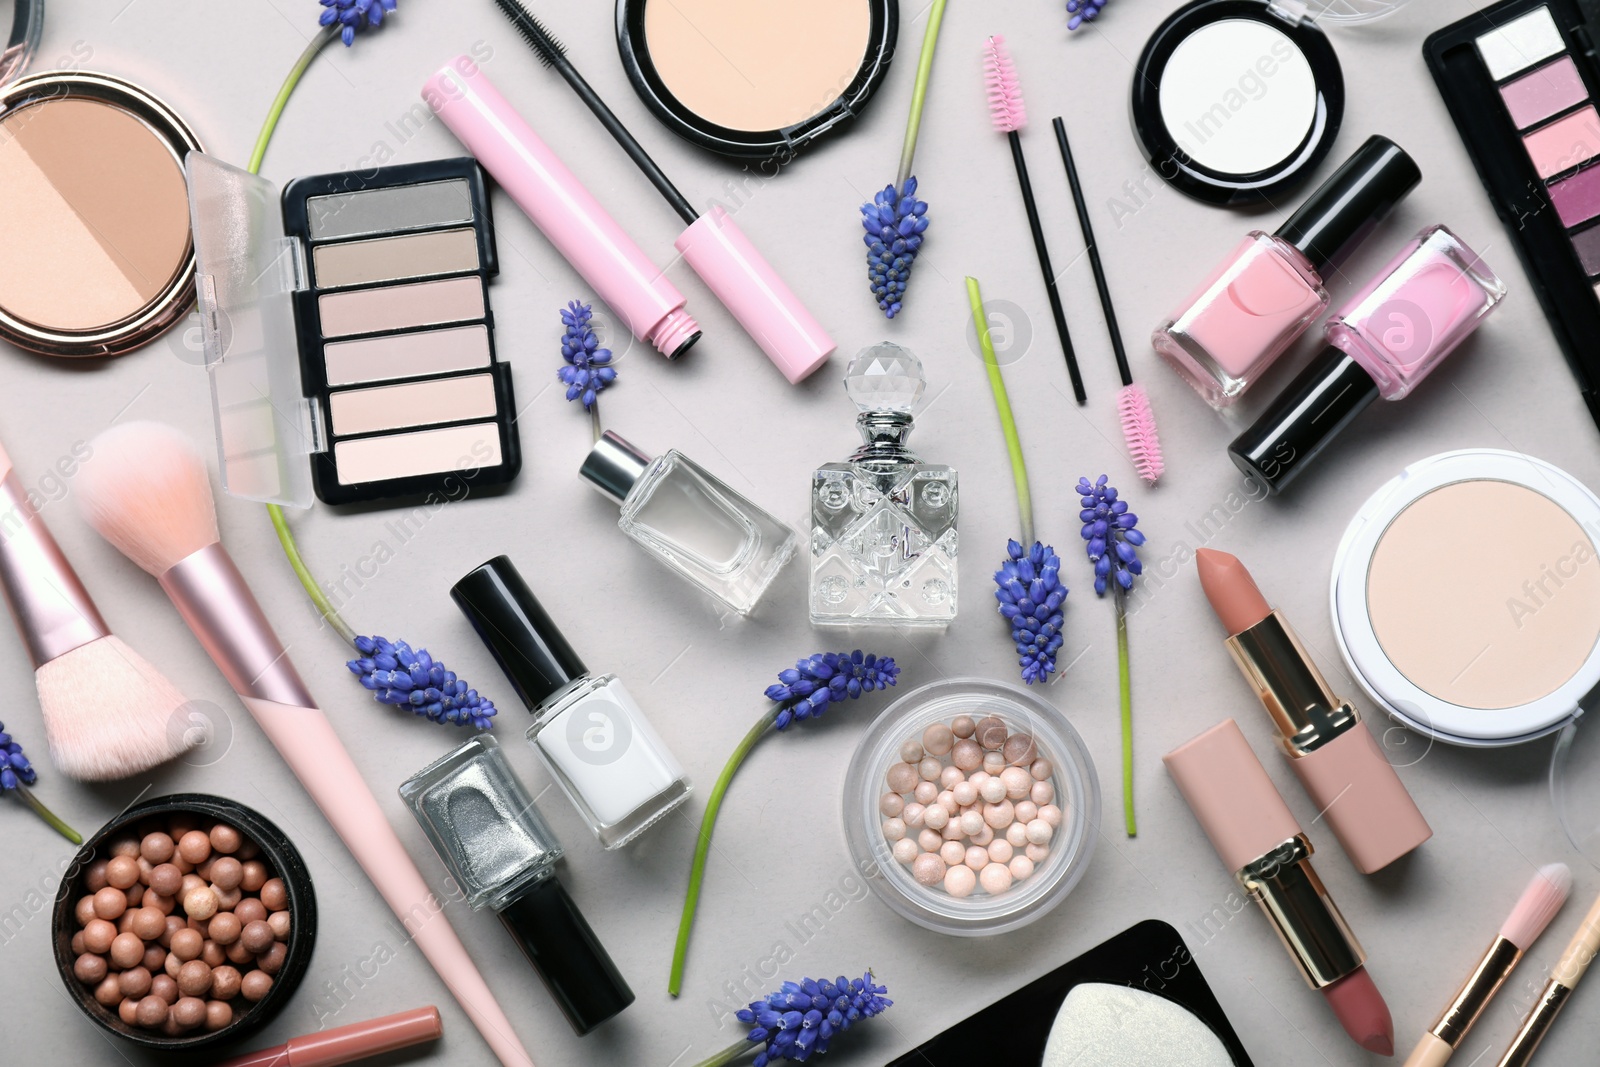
1565, 142
1577, 199
1443, 581
1587, 245
395, 407
1520, 44
399, 207
401, 307
389, 259
1536, 96
407, 355
407, 455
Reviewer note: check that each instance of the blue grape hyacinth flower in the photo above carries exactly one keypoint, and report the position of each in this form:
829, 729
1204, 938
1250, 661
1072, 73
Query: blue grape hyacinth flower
806, 689
588, 369
413, 679
1109, 529
1083, 11
1029, 589
353, 15
799, 1020
895, 222
15, 769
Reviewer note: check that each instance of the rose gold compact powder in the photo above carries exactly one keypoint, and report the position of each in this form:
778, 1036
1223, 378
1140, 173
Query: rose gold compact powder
756, 78
1466, 597
95, 250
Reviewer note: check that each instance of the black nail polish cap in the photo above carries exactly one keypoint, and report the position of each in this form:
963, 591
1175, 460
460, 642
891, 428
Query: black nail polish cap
575, 966
1350, 204
1309, 413
525, 642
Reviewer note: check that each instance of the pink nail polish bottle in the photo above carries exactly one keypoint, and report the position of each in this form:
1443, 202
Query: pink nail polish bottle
1385, 340
1270, 289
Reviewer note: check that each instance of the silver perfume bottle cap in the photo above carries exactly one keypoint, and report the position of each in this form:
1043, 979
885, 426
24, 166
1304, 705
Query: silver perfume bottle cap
613, 465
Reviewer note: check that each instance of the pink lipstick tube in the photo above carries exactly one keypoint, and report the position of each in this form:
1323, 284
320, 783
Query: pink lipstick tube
747, 285
567, 214
1270, 857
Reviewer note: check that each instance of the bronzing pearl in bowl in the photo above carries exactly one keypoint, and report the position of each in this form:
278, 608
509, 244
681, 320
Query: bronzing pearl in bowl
974, 805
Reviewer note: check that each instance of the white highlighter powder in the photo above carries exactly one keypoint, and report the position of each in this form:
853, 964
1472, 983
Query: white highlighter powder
1102, 1025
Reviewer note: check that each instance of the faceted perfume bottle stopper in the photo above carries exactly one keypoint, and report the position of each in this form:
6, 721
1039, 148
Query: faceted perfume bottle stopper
885, 377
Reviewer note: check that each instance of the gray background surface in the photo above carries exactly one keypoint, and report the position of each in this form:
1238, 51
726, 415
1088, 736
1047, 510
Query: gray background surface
780, 850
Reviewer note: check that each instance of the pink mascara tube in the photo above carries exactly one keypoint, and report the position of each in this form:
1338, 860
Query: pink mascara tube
551, 195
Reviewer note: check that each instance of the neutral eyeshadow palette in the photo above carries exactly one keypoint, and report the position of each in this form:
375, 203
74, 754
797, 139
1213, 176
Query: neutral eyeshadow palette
1139, 998
378, 282
1521, 82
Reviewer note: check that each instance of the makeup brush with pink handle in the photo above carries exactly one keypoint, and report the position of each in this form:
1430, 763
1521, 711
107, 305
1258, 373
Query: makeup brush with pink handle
147, 491
107, 712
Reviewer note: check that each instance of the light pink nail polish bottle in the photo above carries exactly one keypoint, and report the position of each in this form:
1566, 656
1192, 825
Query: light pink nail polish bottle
1271, 288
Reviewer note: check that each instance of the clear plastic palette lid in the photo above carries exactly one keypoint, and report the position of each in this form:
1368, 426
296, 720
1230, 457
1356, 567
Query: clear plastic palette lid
21, 22
1337, 11
247, 274
1575, 786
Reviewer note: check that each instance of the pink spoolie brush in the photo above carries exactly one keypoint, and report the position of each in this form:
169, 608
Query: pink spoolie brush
1133, 404
1010, 115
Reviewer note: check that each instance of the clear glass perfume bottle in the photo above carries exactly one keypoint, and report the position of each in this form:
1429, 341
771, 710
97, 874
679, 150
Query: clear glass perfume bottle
589, 730
883, 523
692, 521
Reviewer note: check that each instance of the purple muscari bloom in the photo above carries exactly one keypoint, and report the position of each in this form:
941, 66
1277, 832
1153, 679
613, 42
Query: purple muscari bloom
353, 15
588, 368
799, 1020
1083, 11
1108, 527
397, 675
15, 769
1029, 589
806, 689
895, 222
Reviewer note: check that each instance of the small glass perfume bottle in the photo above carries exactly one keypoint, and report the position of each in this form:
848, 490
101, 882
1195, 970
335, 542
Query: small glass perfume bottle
1386, 339
609, 760
479, 817
883, 523
691, 521
1270, 289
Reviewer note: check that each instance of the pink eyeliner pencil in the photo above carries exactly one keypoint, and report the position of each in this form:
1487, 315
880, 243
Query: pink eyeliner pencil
147, 491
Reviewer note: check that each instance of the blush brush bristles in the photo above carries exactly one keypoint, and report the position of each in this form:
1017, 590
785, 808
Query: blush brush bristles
1133, 404
108, 713
1545, 894
1010, 114
148, 493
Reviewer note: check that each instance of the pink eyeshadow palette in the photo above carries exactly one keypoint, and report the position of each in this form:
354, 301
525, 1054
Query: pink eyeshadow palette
1522, 85
368, 371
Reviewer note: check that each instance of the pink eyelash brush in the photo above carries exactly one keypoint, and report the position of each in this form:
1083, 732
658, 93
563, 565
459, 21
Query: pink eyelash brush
1010, 115
146, 491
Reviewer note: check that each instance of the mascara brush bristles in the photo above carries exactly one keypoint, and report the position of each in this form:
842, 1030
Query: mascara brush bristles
544, 43
1006, 107
1139, 431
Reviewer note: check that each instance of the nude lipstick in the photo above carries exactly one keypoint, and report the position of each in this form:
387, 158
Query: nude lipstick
347, 1044
1333, 754
1259, 841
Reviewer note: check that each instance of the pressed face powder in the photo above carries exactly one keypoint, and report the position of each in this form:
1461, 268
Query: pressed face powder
757, 64
1485, 594
1238, 96
1122, 1026
96, 220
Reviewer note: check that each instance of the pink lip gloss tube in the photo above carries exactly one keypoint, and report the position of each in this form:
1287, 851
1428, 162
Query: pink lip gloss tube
1271, 287
1385, 340
568, 215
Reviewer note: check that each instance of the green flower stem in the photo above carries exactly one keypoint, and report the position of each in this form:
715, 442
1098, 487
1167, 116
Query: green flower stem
279, 523
48, 816
1125, 684
919, 92
729, 1054
1002, 403
697, 871
330, 614
594, 420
